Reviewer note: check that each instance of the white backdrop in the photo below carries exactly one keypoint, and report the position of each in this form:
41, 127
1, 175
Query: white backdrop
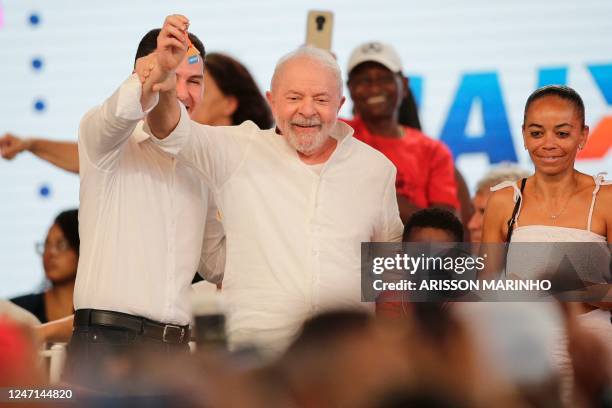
474, 63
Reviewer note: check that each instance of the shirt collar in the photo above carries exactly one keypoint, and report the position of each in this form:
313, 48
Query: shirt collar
139, 134
342, 132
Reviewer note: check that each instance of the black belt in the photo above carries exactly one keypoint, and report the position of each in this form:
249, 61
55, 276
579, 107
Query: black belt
167, 333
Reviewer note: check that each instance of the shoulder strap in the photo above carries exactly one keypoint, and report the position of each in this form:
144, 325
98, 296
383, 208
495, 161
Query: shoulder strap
599, 181
517, 206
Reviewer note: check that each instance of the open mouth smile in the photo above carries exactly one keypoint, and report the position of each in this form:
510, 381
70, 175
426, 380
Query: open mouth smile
373, 100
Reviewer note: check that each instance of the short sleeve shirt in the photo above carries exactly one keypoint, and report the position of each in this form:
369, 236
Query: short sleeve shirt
425, 169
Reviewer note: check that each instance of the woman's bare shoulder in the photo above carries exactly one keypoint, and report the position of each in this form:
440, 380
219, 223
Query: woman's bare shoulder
502, 197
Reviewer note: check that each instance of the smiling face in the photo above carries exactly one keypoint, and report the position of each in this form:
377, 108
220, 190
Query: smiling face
553, 132
190, 83
305, 100
375, 90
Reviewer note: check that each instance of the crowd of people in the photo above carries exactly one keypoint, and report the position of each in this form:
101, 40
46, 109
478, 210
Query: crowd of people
189, 169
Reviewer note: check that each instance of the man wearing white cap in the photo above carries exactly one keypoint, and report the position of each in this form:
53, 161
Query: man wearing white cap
425, 172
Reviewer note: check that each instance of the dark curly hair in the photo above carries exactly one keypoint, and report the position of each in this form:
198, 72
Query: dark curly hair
434, 218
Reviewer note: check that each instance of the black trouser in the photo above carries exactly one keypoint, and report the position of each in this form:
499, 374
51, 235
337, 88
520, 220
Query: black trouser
99, 356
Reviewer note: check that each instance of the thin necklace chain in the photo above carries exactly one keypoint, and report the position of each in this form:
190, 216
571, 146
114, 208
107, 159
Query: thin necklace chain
555, 216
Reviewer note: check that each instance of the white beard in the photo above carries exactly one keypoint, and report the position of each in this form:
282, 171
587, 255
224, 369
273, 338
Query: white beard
307, 144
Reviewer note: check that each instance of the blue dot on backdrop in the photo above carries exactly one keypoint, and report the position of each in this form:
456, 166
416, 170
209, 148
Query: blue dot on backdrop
34, 19
44, 191
37, 63
39, 105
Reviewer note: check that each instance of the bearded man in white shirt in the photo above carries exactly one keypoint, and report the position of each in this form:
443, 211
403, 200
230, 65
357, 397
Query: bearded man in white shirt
296, 202
146, 220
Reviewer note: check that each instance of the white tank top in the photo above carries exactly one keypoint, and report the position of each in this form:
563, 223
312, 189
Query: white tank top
539, 261
549, 233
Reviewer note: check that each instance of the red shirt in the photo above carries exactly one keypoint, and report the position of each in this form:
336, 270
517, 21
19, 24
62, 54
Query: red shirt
425, 170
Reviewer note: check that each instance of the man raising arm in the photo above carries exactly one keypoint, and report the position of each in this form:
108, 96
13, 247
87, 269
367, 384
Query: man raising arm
142, 218
296, 201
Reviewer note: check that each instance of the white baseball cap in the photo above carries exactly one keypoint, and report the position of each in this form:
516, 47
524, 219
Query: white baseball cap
375, 51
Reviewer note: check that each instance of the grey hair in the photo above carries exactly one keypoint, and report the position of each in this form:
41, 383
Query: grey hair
323, 57
501, 173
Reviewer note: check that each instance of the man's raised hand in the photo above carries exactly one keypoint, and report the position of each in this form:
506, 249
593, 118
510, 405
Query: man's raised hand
152, 76
172, 42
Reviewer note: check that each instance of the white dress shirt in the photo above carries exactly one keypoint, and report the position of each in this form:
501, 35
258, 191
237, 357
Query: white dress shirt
293, 236
141, 218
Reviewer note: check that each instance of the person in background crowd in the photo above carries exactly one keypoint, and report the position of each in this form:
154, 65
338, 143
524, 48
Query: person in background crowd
64, 155
495, 176
231, 95
19, 361
18, 314
60, 256
433, 225
324, 366
426, 175
409, 117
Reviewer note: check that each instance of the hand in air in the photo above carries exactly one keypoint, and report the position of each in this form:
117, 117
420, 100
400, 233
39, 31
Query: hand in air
11, 146
150, 74
172, 42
